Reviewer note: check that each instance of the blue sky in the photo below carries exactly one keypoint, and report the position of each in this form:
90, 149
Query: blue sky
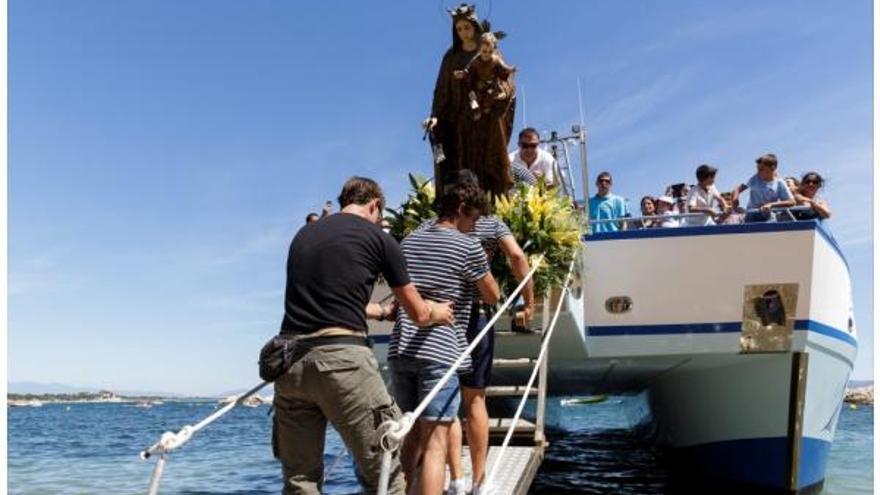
162, 154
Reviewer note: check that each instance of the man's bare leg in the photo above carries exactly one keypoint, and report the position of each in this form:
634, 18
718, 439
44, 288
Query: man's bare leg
477, 430
434, 439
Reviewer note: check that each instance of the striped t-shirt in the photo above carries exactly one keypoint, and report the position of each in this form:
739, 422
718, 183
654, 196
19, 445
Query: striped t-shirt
444, 265
489, 230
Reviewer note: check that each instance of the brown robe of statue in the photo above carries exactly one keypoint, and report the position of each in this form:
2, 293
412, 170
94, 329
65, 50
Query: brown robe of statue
484, 132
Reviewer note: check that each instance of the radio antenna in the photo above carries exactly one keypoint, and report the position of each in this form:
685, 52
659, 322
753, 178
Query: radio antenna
580, 102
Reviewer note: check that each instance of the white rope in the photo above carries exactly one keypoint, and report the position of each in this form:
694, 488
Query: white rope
545, 344
170, 441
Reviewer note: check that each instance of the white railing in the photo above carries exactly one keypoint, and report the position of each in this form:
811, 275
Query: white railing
788, 210
540, 365
392, 432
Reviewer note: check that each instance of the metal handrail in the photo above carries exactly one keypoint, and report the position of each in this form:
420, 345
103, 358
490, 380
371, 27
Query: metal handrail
673, 216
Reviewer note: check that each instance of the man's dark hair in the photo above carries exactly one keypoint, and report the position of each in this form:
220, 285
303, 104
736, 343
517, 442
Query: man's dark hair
529, 130
604, 175
312, 217
360, 191
706, 172
769, 159
465, 193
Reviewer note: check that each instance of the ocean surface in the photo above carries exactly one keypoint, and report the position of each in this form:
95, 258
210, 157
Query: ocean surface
93, 448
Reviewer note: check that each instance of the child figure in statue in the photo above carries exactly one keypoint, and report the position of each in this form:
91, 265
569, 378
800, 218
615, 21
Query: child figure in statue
488, 78
485, 131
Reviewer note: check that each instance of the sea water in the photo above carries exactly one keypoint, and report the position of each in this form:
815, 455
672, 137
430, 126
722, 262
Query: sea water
93, 448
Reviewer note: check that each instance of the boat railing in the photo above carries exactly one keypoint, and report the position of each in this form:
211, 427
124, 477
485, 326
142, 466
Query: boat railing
788, 212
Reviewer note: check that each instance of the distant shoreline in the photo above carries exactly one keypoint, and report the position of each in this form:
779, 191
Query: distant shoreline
103, 397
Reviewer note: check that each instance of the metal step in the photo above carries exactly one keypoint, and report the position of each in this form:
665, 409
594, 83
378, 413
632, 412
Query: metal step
514, 363
509, 391
499, 426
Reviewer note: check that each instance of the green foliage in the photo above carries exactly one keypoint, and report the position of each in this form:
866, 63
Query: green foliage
418, 208
542, 220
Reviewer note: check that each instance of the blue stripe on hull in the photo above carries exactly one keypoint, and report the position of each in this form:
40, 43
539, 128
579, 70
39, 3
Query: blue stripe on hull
758, 461
704, 328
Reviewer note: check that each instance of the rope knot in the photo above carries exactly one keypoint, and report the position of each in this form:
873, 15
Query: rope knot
391, 432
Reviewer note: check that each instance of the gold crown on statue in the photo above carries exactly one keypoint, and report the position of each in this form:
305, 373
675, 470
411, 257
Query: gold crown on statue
464, 11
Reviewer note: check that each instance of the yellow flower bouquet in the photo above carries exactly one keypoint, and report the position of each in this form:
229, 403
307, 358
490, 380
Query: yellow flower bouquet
543, 222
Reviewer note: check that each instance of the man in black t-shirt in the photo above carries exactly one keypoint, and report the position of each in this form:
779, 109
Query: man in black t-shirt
331, 268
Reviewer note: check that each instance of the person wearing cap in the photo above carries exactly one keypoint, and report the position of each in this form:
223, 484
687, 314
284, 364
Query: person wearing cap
705, 198
607, 206
766, 190
664, 207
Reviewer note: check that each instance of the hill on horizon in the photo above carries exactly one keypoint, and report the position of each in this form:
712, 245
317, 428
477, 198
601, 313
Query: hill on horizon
63, 388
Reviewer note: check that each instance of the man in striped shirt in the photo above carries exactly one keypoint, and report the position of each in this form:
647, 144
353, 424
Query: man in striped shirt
494, 235
445, 264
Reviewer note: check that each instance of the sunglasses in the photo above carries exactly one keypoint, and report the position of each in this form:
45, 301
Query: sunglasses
528, 146
811, 182
604, 181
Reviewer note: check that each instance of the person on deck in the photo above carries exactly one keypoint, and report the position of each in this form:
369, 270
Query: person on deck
331, 268
444, 263
494, 235
648, 206
705, 198
810, 184
665, 205
539, 162
607, 206
766, 190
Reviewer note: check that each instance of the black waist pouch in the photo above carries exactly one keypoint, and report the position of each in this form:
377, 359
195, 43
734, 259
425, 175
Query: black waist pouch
276, 357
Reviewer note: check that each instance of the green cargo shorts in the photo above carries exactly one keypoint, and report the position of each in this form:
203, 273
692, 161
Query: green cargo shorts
342, 384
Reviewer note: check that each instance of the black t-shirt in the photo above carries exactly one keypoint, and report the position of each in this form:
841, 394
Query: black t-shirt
332, 266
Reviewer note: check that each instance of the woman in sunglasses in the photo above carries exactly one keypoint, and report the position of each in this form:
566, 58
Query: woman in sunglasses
806, 196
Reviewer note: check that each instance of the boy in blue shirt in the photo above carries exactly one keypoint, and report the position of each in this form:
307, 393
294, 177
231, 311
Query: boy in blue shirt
766, 190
